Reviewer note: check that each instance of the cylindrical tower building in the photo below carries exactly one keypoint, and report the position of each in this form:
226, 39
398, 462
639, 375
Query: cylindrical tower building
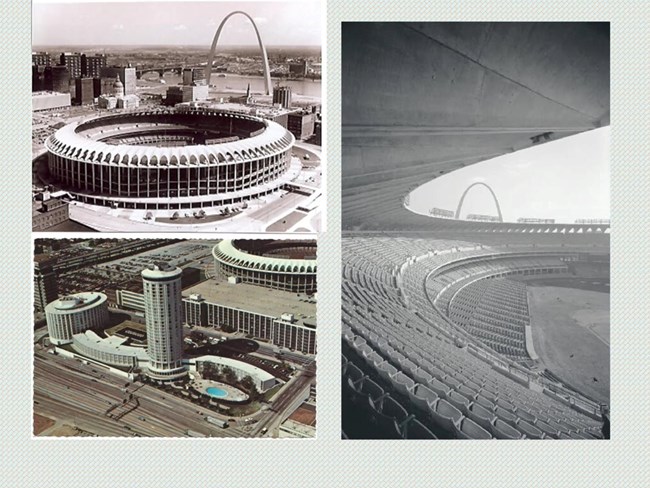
164, 319
74, 314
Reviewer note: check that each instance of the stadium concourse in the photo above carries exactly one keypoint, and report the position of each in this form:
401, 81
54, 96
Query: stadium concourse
437, 339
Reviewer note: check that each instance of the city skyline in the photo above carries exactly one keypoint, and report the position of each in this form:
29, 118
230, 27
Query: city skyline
166, 23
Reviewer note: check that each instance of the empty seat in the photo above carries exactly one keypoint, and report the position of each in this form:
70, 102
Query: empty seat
468, 429
528, 430
578, 435
466, 392
484, 402
388, 426
421, 376
487, 394
415, 430
481, 415
526, 415
422, 397
440, 388
507, 417
446, 415
451, 382
402, 383
501, 430
547, 429
506, 405
408, 366
386, 370
358, 343
354, 373
371, 389
458, 401
393, 409
558, 427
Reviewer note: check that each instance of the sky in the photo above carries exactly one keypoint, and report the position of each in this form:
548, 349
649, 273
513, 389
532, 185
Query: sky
565, 180
70, 22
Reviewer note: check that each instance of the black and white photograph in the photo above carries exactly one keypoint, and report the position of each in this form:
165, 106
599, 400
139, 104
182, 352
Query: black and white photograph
476, 230
177, 117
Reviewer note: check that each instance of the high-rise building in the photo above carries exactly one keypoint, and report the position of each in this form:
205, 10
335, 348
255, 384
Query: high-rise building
37, 77
56, 78
194, 76
45, 285
84, 91
72, 61
92, 64
282, 95
126, 75
41, 59
298, 70
164, 319
301, 124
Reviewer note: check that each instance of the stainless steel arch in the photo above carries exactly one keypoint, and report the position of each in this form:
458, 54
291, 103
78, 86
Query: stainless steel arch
462, 199
267, 74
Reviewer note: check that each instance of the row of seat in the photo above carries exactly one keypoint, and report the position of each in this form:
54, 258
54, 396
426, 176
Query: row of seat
406, 340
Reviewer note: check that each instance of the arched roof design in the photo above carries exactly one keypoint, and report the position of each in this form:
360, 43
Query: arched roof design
72, 142
227, 253
448, 95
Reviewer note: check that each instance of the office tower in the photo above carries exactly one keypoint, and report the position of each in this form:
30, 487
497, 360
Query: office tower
92, 64
45, 285
84, 91
72, 61
282, 95
56, 78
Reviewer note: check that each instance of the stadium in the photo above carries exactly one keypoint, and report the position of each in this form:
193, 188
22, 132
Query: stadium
457, 328
288, 265
166, 160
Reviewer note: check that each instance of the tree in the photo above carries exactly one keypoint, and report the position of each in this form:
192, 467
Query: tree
229, 375
197, 336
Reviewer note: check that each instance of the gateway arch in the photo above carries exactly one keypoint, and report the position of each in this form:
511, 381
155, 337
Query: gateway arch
462, 199
267, 74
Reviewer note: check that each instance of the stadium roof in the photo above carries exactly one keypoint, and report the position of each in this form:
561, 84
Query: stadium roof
68, 141
226, 251
423, 99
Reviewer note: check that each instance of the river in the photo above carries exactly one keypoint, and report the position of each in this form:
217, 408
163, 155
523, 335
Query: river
236, 84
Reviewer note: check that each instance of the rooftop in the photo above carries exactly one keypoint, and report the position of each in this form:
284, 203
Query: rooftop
256, 299
161, 269
112, 345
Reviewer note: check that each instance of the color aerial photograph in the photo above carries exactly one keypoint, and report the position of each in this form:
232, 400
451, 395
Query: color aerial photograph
177, 117
476, 230
175, 338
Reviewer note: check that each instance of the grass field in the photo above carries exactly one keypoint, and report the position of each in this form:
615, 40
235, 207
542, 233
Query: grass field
571, 335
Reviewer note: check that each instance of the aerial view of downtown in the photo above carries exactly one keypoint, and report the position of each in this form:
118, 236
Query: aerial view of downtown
176, 117
175, 338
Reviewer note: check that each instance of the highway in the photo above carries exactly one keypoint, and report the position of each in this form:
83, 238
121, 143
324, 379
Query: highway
97, 402
290, 398
85, 397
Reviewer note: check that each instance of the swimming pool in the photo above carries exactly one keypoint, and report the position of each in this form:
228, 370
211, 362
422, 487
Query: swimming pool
216, 392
